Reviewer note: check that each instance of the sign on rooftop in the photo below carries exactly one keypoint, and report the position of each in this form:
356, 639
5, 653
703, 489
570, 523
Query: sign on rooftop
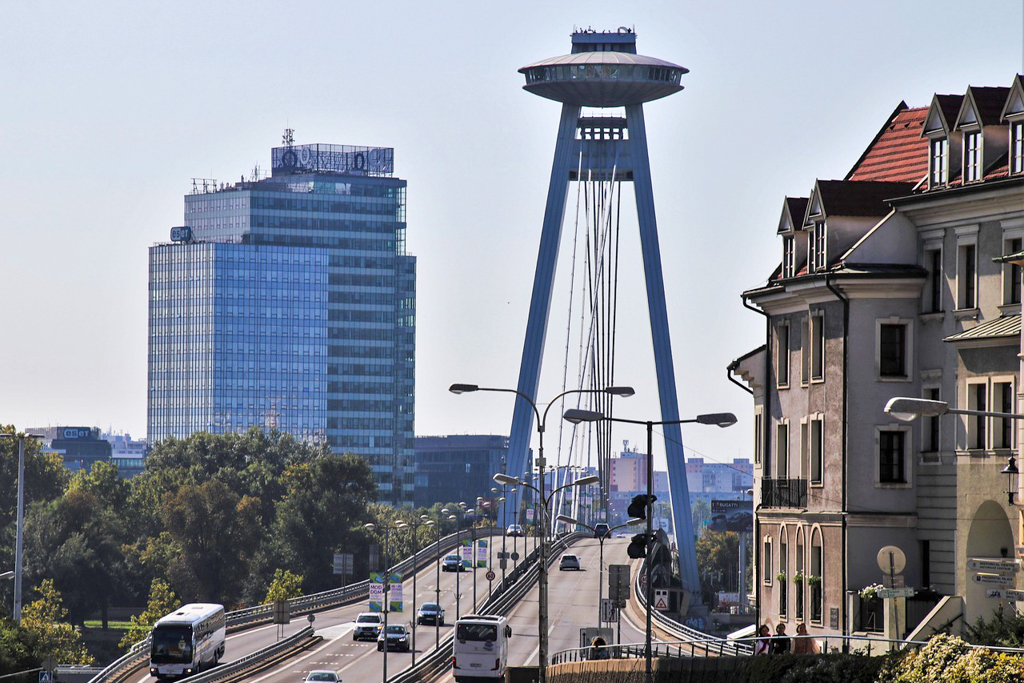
333, 159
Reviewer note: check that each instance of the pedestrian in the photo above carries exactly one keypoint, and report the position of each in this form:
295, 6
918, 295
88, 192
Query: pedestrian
803, 644
780, 641
764, 637
597, 648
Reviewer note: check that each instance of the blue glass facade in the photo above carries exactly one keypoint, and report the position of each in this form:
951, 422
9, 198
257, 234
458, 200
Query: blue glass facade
293, 305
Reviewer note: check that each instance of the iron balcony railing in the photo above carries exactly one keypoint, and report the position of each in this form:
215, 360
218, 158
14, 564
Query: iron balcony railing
784, 493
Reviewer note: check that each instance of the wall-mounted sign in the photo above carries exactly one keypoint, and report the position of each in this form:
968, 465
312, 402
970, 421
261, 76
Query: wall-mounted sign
993, 564
993, 579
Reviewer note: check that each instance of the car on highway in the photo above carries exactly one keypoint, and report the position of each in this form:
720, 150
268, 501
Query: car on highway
396, 638
368, 625
514, 530
452, 563
569, 562
322, 675
602, 530
430, 613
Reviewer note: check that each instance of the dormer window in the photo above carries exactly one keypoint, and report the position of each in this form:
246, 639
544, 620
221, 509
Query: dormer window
817, 246
939, 162
1017, 147
788, 256
972, 156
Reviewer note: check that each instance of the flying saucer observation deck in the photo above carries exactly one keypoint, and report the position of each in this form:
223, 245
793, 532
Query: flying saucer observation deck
603, 79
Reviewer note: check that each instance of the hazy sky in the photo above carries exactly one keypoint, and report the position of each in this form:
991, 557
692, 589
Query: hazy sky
107, 109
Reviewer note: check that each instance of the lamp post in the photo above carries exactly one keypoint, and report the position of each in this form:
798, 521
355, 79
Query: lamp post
19, 543
577, 416
385, 598
600, 562
909, 409
542, 581
415, 526
472, 545
437, 586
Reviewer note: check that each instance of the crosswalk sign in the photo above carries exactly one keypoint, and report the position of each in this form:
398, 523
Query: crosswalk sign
660, 599
44, 677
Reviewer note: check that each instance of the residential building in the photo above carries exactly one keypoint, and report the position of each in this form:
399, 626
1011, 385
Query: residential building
892, 283
289, 302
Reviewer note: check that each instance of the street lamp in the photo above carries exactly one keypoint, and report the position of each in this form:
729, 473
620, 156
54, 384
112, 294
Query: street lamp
385, 598
542, 581
577, 416
19, 543
908, 409
415, 526
600, 562
458, 549
437, 586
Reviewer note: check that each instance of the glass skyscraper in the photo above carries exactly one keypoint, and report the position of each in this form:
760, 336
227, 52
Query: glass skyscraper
289, 302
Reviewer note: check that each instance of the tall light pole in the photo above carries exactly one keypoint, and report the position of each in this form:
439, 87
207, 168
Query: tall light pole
415, 526
458, 549
600, 563
577, 416
437, 585
19, 543
542, 581
908, 409
385, 599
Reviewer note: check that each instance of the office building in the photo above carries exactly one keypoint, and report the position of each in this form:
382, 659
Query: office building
289, 302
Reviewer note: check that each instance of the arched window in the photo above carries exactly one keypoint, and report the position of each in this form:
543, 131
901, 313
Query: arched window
783, 575
816, 577
798, 578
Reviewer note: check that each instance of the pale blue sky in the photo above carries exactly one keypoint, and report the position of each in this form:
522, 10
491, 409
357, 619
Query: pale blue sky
107, 109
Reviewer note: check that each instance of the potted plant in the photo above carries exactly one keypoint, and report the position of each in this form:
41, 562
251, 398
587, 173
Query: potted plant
814, 580
781, 577
870, 592
798, 577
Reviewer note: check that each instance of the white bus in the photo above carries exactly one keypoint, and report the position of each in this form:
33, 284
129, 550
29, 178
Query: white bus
480, 648
187, 640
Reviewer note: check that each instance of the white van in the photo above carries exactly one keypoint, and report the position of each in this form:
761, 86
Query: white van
480, 648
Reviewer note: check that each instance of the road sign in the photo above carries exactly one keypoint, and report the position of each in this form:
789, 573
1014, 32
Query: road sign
609, 614
896, 592
660, 598
1015, 595
993, 564
993, 579
45, 677
618, 583
343, 563
891, 560
489, 575
514, 556
588, 634
282, 612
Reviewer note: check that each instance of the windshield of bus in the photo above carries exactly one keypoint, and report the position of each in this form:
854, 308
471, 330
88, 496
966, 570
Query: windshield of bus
172, 644
477, 632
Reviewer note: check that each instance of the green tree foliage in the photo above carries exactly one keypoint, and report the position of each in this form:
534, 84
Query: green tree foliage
217, 530
104, 483
948, 659
17, 647
45, 475
76, 542
284, 586
162, 601
717, 558
44, 619
701, 512
1001, 630
324, 507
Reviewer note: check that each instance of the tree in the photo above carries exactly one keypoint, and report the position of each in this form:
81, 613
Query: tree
323, 511
701, 511
45, 475
17, 648
717, 562
217, 531
103, 482
44, 619
162, 601
284, 586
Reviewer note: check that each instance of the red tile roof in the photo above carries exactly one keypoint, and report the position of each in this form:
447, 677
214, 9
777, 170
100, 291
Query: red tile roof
898, 152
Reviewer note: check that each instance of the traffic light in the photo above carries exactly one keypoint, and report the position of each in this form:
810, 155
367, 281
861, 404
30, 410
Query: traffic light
638, 546
638, 508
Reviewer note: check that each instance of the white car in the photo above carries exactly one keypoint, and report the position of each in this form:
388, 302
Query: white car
514, 530
322, 675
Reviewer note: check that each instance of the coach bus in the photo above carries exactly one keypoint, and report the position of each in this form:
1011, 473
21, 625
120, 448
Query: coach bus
480, 648
187, 640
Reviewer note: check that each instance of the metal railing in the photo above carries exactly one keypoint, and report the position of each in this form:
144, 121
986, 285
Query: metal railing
784, 493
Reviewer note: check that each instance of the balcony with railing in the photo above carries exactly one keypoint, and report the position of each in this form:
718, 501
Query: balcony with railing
784, 493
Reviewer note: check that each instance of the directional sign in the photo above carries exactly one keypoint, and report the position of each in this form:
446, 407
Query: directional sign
896, 593
993, 564
994, 579
1015, 595
343, 563
608, 612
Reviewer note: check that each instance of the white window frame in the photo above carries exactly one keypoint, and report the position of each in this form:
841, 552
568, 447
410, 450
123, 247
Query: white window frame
1016, 151
966, 237
973, 388
816, 535
782, 364
973, 162
788, 256
908, 346
821, 245
928, 422
758, 435
783, 589
908, 448
767, 576
805, 351
1011, 292
938, 162
936, 279
816, 323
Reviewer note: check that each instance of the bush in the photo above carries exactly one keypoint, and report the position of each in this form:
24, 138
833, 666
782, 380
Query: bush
831, 668
948, 659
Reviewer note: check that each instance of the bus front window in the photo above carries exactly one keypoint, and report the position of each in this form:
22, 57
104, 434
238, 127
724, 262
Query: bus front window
172, 645
477, 632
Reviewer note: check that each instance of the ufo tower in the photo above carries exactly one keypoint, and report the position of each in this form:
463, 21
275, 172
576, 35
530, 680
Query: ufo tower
602, 72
